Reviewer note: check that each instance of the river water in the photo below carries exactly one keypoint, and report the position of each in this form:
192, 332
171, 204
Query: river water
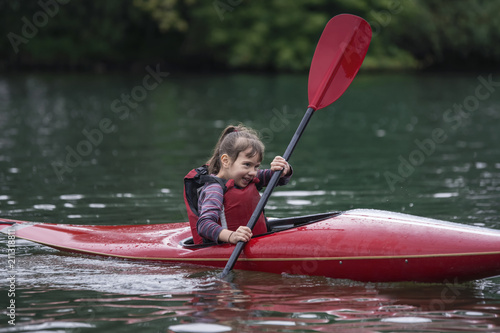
113, 149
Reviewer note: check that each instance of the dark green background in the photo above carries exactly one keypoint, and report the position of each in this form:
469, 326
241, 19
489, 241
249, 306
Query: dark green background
277, 35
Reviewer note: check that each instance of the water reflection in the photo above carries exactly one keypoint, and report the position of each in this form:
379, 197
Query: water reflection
58, 291
259, 302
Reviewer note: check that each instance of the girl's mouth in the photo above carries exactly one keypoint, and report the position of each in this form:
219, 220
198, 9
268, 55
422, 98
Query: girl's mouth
246, 180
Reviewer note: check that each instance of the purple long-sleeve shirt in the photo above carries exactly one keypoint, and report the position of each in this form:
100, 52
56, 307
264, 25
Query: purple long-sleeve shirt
210, 204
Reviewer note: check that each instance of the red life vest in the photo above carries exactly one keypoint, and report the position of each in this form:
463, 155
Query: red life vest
239, 203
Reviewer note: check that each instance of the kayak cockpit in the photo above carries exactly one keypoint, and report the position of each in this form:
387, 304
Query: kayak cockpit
273, 225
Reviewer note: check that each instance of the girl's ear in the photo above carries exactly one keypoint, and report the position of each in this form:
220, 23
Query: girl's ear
225, 161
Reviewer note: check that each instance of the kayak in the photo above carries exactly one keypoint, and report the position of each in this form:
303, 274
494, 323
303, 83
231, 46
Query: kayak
360, 244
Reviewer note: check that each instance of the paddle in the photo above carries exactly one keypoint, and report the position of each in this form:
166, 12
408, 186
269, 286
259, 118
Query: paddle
338, 56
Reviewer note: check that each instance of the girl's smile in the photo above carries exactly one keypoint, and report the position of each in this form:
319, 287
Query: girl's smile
243, 170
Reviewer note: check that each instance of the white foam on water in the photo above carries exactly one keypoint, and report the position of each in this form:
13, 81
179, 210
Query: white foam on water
407, 320
71, 196
45, 207
199, 328
97, 205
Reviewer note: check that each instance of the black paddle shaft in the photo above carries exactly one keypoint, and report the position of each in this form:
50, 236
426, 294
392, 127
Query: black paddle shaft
267, 193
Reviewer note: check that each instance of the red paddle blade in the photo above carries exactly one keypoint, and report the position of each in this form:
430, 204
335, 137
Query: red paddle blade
338, 56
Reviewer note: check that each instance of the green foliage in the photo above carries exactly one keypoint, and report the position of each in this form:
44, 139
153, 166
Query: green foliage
442, 33
76, 34
261, 35
278, 35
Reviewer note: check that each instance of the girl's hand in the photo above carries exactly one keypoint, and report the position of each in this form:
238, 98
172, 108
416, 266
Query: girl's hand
279, 163
243, 233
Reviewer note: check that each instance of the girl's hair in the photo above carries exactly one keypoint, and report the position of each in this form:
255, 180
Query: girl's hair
234, 140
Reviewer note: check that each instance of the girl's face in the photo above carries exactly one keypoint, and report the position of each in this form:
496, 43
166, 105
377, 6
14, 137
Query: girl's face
243, 170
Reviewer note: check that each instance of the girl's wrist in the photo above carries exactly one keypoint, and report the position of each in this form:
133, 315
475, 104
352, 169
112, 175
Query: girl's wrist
229, 238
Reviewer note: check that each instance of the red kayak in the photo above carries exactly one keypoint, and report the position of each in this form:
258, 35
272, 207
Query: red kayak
361, 244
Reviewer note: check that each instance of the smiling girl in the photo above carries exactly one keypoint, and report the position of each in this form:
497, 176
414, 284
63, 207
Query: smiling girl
231, 192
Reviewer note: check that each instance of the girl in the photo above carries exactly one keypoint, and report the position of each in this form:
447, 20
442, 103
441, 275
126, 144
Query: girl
228, 197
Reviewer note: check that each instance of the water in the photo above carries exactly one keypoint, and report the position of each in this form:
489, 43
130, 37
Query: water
75, 149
